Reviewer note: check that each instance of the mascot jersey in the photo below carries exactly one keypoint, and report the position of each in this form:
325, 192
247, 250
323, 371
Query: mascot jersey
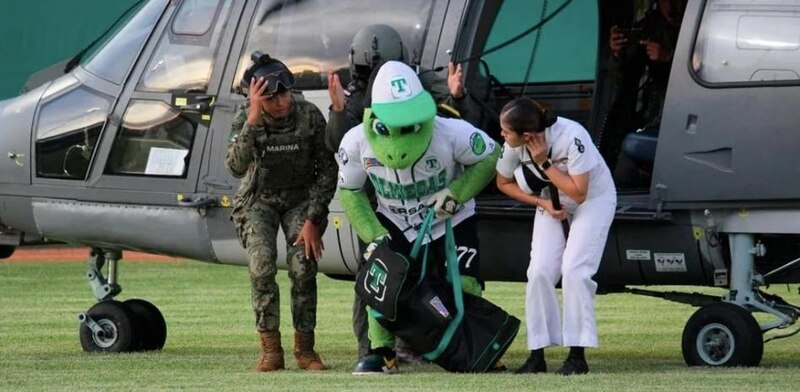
403, 194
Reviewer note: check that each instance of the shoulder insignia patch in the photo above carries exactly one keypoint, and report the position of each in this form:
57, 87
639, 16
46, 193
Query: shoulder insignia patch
580, 145
477, 144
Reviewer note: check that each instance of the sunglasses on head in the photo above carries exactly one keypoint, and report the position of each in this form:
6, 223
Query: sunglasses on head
277, 81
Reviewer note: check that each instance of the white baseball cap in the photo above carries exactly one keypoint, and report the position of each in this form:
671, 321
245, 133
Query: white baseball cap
398, 98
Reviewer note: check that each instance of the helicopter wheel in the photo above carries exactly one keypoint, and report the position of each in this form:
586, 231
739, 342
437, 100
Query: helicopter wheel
117, 332
6, 251
722, 334
151, 327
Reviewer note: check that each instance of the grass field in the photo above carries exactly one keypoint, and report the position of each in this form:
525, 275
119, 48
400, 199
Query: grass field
212, 342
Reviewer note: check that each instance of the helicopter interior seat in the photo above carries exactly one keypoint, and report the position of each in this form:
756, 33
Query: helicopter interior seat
634, 165
640, 146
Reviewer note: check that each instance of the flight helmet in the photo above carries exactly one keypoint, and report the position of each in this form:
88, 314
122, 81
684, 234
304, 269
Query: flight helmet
279, 77
372, 45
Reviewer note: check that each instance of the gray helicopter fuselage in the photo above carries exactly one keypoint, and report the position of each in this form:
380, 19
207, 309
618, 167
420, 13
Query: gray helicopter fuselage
126, 151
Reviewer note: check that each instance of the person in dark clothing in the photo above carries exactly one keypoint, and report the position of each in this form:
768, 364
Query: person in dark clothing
641, 62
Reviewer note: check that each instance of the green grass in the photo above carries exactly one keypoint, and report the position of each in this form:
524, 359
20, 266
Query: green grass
212, 343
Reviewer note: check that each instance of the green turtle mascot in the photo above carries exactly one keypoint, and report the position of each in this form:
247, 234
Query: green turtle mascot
414, 159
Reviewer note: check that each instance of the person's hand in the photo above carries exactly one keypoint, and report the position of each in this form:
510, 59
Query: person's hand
256, 95
455, 80
656, 52
537, 146
336, 92
444, 203
547, 205
309, 237
617, 41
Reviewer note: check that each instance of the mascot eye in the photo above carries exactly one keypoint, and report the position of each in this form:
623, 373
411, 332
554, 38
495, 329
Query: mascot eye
379, 128
409, 129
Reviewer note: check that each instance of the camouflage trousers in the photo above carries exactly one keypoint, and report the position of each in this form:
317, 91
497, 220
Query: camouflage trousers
259, 231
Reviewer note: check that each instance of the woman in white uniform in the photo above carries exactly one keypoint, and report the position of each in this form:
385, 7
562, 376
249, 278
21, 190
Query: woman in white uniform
562, 151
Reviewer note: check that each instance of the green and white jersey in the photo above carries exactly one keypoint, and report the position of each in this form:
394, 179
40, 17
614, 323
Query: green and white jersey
403, 194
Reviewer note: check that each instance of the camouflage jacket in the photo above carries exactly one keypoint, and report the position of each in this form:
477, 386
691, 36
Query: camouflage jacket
282, 154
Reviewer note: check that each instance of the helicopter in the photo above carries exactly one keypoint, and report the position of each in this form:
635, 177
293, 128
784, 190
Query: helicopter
123, 149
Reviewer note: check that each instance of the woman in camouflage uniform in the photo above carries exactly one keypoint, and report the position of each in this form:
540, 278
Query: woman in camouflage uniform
289, 177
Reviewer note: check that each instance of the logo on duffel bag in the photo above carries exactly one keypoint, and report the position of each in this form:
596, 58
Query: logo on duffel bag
375, 281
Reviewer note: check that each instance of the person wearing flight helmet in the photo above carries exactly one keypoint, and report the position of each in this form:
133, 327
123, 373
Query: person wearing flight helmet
288, 179
371, 46
414, 159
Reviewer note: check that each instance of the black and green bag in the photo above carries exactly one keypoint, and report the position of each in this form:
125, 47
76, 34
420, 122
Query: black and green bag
458, 331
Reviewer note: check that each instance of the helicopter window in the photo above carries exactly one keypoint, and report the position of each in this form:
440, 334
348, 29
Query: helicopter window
746, 42
557, 52
113, 56
185, 57
67, 132
154, 140
195, 17
312, 37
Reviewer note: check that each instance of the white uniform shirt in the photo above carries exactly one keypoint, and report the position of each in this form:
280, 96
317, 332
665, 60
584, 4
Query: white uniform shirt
403, 194
571, 151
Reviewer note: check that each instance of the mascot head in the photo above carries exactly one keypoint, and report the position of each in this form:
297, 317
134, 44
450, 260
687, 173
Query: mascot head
399, 123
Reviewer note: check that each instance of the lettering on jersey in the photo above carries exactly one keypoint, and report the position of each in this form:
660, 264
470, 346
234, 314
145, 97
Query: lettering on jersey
580, 146
341, 178
477, 144
417, 190
343, 156
408, 211
432, 164
283, 148
371, 162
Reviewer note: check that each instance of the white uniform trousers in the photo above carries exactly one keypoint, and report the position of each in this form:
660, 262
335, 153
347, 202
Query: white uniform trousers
575, 261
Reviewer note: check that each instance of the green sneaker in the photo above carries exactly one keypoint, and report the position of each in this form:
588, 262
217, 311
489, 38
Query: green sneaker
379, 361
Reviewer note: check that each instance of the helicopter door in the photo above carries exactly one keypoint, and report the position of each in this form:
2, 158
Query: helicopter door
158, 143
150, 157
729, 129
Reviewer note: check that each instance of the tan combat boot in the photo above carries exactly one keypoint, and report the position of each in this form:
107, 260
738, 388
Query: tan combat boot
271, 352
304, 351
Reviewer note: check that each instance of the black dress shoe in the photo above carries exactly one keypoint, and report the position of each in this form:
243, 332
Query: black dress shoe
573, 366
532, 365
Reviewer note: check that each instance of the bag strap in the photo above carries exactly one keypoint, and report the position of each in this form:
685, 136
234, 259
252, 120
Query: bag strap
424, 230
458, 295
